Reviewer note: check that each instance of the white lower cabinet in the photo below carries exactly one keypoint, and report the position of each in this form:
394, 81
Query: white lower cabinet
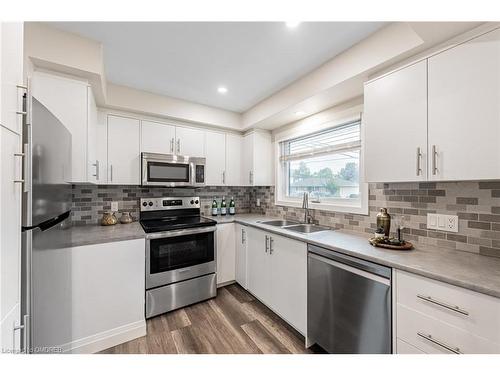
241, 255
435, 317
225, 253
404, 348
259, 265
89, 298
277, 275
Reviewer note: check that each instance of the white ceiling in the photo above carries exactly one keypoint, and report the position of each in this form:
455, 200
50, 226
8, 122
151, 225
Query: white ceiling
190, 60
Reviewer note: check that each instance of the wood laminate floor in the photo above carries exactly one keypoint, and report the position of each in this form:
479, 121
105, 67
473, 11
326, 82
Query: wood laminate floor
233, 322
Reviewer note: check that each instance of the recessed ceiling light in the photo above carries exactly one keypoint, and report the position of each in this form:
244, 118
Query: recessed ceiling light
292, 24
300, 113
221, 90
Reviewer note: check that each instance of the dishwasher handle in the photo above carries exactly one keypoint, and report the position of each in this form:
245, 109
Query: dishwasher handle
350, 261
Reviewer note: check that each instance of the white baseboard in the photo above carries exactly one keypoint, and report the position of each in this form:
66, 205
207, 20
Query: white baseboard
107, 339
226, 283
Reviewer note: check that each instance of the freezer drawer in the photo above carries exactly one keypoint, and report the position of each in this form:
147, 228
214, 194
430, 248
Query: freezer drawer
348, 303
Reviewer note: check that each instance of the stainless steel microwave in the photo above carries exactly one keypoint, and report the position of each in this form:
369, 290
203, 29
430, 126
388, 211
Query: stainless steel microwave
172, 170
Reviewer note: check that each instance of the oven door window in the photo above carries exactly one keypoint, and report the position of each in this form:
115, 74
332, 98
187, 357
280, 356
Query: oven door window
167, 254
167, 172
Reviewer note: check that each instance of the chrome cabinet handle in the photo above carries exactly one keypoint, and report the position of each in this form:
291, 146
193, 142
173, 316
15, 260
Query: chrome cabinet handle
251, 177
267, 243
243, 238
22, 113
271, 241
96, 165
111, 172
172, 141
224, 177
419, 158
434, 160
443, 304
439, 343
178, 145
22, 87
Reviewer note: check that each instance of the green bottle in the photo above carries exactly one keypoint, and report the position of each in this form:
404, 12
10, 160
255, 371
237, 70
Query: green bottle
232, 207
223, 207
214, 207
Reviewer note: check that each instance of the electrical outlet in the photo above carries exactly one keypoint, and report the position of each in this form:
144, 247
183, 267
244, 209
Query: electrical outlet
114, 206
258, 202
448, 223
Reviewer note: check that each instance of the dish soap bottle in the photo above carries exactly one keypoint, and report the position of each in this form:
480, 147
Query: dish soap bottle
232, 208
214, 207
223, 207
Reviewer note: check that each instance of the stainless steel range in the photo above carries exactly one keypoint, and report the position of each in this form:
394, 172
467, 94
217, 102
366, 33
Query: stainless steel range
180, 253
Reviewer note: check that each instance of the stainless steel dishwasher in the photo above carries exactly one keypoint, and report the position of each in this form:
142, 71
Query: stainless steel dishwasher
348, 303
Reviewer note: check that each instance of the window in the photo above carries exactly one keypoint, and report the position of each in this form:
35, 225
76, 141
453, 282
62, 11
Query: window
325, 164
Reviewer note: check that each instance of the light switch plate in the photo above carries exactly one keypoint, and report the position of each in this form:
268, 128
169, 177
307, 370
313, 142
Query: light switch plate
114, 206
447, 223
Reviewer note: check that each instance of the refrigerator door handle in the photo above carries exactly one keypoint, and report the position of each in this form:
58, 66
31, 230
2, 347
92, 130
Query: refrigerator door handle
47, 224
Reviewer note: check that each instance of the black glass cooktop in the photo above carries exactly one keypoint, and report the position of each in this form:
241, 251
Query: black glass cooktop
173, 223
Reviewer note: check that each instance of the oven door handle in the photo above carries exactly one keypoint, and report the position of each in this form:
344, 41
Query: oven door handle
180, 232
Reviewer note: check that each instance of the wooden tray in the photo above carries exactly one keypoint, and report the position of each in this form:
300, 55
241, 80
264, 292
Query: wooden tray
406, 246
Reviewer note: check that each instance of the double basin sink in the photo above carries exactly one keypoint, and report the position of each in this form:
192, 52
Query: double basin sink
295, 226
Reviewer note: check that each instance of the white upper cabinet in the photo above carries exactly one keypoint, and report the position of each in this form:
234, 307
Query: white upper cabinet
437, 119
102, 147
234, 151
257, 159
464, 115
123, 151
189, 141
94, 165
157, 137
215, 146
395, 126
67, 99
11, 75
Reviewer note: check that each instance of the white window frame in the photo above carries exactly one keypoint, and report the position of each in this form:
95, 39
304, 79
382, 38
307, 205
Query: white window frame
360, 206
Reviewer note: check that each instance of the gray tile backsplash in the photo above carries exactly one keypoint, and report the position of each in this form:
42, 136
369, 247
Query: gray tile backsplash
91, 201
477, 205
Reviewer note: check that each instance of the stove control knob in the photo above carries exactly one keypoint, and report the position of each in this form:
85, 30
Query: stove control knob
150, 204
197, 201
144, 204
192, 201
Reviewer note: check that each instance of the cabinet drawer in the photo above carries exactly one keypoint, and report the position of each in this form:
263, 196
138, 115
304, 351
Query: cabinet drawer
404, 348
474, 312
433, 336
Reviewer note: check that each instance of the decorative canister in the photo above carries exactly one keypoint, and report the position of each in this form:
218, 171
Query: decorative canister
126, 218
384, 221
109, 218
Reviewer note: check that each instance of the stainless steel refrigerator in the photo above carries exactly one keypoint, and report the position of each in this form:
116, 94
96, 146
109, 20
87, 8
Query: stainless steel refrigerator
46, 204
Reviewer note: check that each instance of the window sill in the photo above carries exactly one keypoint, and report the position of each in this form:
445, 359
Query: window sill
332, 207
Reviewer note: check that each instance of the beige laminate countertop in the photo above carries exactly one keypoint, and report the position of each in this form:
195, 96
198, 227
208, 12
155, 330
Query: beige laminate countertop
472, 271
